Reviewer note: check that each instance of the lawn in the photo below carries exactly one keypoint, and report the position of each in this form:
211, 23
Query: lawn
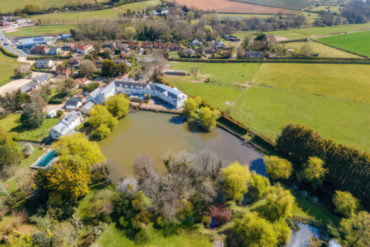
11, 5
41, 30
354, 42
11, 123
113, 237
79, 17
321, 49
7, 66
333, 100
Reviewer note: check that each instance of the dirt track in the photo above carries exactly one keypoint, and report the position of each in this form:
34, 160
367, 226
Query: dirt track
226, 6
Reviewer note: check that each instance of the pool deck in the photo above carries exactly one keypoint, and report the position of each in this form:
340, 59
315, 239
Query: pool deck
34, 165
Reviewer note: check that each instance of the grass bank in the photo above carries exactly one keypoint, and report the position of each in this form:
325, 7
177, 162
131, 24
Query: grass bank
7, 66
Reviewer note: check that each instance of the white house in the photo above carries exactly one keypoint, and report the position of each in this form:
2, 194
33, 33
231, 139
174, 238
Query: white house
73, 103
51, 114
66, 125
44, 64
99, 95
87, 107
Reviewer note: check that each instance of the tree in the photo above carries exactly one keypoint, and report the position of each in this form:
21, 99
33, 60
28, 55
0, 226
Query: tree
190, 16
77, 144
220, 213
32, 117
22, 71
278, 168
87, 68
100, 115
118, 105
252, 231
9, 152
355, 230
345, 203
108, 68
279, 204
305, 51
207, 118
191, 106
237, 178
258, 188
313, 172
101, 132
130, 33
69, 177
67, 86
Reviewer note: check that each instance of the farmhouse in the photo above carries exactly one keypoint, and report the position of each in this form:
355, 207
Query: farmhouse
84, 49
66, 125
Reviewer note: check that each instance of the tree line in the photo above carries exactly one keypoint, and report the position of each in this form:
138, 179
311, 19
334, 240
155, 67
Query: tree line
349, 168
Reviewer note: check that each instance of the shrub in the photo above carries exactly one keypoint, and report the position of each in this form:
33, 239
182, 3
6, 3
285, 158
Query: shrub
313, 172
278, 168
220, 213
345, 203
59, 113
27, 149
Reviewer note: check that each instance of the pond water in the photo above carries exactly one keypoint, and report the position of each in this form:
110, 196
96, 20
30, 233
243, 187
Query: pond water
158, 135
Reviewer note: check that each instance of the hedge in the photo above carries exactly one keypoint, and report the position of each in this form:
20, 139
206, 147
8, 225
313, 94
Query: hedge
277, 60
49, 57
349, 168
7, 53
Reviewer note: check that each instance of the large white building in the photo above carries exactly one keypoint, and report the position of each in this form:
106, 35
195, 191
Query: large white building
130, 87
66, 125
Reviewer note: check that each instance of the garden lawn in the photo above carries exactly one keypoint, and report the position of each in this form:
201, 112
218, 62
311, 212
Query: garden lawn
266, 110
11, 123
41, 30
321, 49
344, 81
354, 42
79, 17
7, 66
113, 237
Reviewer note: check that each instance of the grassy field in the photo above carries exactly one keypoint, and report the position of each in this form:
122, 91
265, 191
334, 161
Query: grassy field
79, 17
287, 4
355, 42
7, 66
322, 50
113, 237
302, 33
41, 30
11, 5
333, 101
11, 123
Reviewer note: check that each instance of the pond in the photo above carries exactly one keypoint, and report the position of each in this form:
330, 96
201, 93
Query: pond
158, 135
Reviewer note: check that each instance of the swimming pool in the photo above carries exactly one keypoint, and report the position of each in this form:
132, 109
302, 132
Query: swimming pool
45, 160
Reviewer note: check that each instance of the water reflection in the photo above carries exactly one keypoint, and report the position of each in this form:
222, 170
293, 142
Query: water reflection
159, 135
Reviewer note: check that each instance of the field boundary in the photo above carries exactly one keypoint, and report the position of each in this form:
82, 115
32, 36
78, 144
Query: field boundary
277, 60
338, 48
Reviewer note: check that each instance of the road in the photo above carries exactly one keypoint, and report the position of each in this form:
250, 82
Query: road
8, 47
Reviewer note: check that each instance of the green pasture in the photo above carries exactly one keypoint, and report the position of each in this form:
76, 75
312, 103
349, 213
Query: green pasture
7, 66
79, 17
41, 30
358, 42
331, 99
349, 82
11, 5
321, 49
267, 109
